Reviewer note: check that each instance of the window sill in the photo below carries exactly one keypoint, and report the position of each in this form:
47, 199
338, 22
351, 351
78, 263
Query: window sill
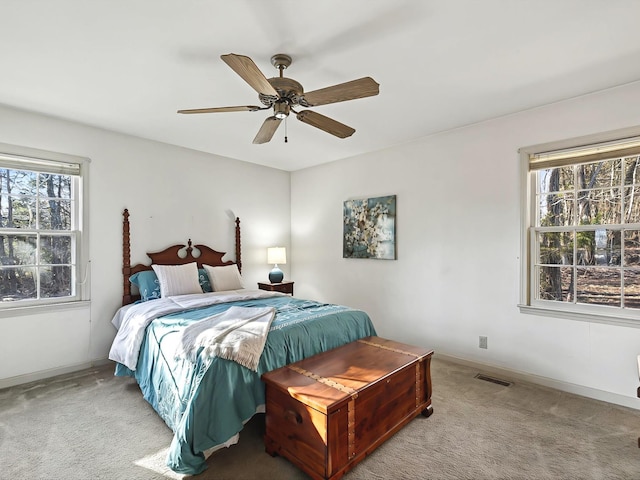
18, 311
581, 316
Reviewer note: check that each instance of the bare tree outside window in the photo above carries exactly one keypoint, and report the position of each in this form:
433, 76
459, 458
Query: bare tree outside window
587, 233
36, 235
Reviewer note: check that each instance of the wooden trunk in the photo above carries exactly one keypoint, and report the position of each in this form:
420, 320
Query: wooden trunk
327, 412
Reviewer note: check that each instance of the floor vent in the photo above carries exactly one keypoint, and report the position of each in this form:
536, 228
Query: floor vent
492, 380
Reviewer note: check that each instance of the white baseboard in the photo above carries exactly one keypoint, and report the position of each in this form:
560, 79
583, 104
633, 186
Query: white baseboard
511, 375
53, 372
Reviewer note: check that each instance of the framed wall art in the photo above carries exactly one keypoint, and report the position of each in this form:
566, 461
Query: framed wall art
370, 228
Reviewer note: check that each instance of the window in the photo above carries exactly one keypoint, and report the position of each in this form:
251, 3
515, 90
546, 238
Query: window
581, 229
42, 241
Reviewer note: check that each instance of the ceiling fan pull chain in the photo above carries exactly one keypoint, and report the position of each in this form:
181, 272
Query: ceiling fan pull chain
285, 130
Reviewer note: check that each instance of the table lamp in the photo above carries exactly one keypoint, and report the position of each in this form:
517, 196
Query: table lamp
276, 255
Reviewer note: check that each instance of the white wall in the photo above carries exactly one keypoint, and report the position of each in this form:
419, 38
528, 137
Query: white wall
172, 194
457, 273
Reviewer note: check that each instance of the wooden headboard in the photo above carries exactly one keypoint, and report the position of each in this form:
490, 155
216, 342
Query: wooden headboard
169, 256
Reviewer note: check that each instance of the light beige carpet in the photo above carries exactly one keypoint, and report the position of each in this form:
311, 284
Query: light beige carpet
92, 425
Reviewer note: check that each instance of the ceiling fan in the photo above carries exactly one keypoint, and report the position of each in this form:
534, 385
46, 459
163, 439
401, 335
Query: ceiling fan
282, 94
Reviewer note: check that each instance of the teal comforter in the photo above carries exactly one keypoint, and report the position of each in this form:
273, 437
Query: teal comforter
207, 402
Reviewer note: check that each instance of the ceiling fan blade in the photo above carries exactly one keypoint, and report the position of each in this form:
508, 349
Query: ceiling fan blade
363, 87
250, 73
240, 108
267, 130
327, 124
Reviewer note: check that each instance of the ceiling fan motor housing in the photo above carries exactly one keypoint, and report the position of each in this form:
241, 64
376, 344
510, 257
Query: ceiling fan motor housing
287, 88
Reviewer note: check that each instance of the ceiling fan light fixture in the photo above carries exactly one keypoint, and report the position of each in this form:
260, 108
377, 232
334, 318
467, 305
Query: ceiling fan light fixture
281, 110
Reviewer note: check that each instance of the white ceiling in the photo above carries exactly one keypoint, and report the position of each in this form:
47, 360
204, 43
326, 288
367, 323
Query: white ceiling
129, 65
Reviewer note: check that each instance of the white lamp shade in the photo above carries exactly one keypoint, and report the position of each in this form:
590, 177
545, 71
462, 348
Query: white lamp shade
277, 255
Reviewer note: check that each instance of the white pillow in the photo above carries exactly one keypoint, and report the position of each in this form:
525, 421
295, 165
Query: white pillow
224, 278
178, 279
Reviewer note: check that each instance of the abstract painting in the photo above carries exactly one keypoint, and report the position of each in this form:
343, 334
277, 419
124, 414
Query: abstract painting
370, 228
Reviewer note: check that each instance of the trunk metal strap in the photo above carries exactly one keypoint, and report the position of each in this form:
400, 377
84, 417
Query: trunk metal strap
351, 428
397, 350
324, 380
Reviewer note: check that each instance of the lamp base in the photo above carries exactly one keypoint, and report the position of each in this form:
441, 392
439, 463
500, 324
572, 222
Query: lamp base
276, 275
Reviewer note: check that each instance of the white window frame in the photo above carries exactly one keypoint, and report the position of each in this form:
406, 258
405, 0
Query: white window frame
19, 157
527, 303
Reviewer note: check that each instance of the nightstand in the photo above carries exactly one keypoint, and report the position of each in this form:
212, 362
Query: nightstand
284, 287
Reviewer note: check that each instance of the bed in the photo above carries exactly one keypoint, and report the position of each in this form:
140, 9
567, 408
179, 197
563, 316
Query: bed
198, 356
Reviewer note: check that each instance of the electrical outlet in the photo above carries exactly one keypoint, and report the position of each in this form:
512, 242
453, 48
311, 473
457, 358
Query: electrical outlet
483, 342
